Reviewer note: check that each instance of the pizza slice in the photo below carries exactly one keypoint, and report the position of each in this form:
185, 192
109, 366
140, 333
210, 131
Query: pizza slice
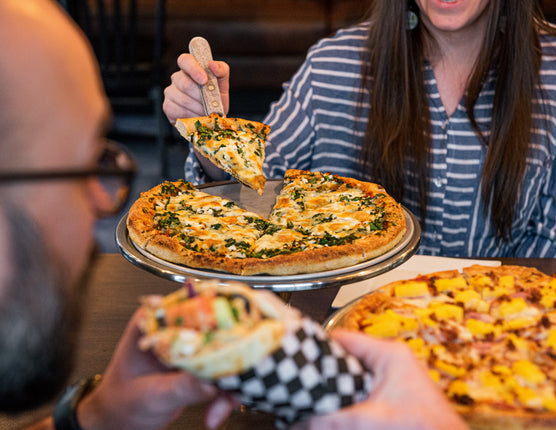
233, 144
335, 210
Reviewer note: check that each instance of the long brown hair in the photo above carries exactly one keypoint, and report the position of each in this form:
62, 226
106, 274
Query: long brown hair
399, 127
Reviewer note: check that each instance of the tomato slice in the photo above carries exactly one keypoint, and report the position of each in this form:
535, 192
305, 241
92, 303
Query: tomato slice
196, 313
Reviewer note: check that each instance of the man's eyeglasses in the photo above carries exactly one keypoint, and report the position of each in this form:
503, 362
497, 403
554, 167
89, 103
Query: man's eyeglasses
115, 171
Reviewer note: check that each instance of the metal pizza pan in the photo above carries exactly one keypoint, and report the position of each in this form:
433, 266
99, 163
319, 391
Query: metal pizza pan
250, 200
337, 318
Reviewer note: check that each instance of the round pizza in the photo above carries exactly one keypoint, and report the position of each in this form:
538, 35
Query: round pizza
320, 222
487, 337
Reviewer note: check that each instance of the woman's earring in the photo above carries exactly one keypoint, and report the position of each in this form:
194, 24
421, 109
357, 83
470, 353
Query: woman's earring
412, 20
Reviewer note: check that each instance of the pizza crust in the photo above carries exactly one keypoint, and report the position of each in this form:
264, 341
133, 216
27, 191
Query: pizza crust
168, 249
483, 417
140, 218
325, 258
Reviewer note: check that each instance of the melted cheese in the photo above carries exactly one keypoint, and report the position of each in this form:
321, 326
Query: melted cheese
241, 151
205, 223
325, 207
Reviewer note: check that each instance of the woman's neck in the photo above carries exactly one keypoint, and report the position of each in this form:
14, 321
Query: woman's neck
453, 55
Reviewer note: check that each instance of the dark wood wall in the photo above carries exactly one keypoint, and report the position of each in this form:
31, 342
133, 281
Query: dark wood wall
264, 41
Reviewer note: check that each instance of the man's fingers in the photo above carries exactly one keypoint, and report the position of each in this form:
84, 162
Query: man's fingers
370, 351
218, 411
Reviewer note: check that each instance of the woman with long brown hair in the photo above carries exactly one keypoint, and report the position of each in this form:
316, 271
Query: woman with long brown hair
449, 104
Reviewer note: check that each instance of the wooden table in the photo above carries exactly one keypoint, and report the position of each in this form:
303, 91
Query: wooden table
113, 295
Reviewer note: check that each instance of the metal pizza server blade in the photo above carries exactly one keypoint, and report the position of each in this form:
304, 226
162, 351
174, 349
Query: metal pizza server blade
210, 92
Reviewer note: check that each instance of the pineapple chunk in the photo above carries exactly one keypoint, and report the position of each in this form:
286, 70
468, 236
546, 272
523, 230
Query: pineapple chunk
510, 383
551, 341
493, 293
519, 323
416, 343
411, 289
500, 369
548, 299
450, 369
451, 284
383, 329
519, 343
513, 307
458, 388
480, 281
424, 316
434, 375
418, 347
479, 328
490, 380
389, 324
482, 306
447, 311
549, 402
506, 281
528, 397
528, 371
469, 298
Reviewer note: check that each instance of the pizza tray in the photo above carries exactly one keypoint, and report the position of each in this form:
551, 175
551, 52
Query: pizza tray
262, 205
336, 320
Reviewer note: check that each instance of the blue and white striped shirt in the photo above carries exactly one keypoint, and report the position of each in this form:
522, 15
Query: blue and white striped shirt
319, 122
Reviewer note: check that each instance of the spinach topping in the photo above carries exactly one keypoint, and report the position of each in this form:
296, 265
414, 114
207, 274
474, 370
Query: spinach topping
185, 207
303, 231
271, 229
241, 245
203, 133
217, 212
295, 246
169, 188
330, 240
260, 224
321, 218
296, 194
189, 242
166, 220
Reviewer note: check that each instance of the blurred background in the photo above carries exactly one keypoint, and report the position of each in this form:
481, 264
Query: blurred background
137, 43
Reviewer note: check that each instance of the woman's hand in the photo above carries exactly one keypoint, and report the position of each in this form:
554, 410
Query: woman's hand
138, 392
403, 395
182, 98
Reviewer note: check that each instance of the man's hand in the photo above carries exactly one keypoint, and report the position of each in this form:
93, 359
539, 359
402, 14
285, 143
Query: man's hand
138, 392
403, 395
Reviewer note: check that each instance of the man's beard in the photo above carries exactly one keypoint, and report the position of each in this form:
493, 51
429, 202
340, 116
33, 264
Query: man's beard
39, 321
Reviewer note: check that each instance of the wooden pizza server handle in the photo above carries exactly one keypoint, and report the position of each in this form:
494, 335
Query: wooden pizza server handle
200, 49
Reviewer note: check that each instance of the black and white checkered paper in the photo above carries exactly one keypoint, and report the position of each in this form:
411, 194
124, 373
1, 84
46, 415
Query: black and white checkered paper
309, 374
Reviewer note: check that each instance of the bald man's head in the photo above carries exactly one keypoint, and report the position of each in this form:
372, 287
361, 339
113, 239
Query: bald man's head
53, 118
46, 70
